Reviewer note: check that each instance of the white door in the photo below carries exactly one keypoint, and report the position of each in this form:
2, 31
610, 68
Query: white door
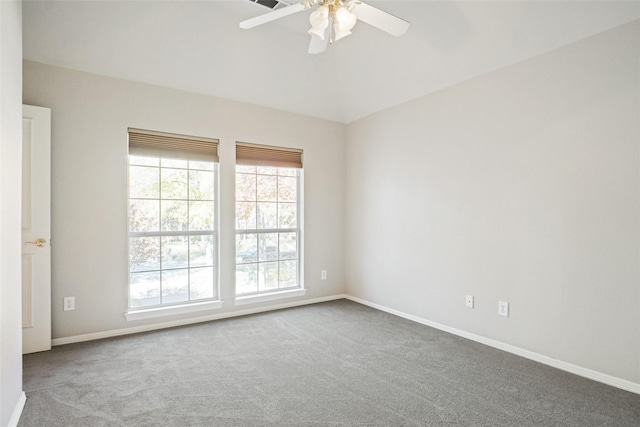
36, 229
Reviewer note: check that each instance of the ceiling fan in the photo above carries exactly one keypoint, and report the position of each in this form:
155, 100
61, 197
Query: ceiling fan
333, 20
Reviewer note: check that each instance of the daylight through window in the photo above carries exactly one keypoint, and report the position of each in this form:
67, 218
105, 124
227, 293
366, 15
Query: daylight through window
172, 219
268, 203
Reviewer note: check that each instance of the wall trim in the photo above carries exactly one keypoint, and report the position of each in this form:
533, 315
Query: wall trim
537, 357
546, 360
182, 322
150, 313
271, 296
17, 411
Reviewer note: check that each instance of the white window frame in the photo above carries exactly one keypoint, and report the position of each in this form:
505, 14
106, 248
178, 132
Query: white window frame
291, 291
189, 306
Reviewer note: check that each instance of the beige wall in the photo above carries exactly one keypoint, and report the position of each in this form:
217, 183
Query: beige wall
90, 116
10, 199
522, 185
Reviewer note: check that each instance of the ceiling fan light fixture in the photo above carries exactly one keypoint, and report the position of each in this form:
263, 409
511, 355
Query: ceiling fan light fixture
317, 33
344, 19
319, 21
339, 34
338, 16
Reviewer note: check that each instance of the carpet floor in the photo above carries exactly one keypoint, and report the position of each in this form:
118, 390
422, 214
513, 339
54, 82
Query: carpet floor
331, 364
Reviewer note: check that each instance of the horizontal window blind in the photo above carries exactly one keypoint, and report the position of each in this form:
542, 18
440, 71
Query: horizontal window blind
265, 155
161, 144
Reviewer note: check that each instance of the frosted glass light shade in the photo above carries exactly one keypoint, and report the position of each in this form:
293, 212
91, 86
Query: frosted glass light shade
344, 19
317, 33
319, 21
340, 34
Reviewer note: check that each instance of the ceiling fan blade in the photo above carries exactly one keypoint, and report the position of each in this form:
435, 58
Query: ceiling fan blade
272, 16
317, 45
380, 19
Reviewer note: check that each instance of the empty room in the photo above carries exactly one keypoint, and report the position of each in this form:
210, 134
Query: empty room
319, 213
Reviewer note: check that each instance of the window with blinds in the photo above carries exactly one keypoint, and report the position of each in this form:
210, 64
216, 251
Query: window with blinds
268, 229
173, 237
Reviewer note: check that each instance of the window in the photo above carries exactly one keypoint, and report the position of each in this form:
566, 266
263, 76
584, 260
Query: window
172, 219
268, 204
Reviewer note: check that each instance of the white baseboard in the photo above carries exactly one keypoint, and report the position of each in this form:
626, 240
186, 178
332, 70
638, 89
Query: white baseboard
565, 366
17, 411
182, 322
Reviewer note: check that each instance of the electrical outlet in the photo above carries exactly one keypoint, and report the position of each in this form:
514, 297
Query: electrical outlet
323, 275
469, 301
69, 303
503, 308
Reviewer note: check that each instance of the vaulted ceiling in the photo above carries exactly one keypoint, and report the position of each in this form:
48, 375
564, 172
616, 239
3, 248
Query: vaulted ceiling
197, 46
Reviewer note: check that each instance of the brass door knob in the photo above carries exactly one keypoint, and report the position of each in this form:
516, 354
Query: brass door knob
39, 242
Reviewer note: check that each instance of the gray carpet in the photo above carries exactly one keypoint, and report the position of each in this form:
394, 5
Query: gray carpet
331, 364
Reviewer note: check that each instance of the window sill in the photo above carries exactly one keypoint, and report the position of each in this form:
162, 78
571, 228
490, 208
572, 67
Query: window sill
151, 313
253, 299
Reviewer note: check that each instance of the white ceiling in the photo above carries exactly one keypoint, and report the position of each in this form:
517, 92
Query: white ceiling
198, 47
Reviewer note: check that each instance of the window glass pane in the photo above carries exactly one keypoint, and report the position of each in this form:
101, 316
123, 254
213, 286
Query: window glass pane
267, 170
174, 163
201, 281
287, 215
245, 187
144, 253
175, 252
267, 215
268, 247
288, 246
268, 200
287, 189
245, 169
201, 216
245, 215
205, 166
288, 273
173, 184
144, 182
144, 215
166, 197
267, 188
174, 216
246, 248
144, 160
201, 185
201, 251
175, 286
144, 289
246, 278
287, 171
267, 276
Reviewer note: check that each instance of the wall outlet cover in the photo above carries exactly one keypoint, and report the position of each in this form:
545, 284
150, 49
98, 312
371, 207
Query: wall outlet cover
69, 303
503, 308
469, 301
